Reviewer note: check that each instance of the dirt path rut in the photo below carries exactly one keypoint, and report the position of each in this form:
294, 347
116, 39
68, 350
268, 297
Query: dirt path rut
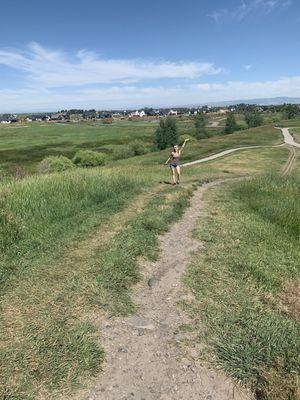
147, 357
288, 167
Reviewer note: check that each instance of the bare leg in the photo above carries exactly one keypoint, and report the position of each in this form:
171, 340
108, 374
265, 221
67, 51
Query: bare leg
173, 170
178, 173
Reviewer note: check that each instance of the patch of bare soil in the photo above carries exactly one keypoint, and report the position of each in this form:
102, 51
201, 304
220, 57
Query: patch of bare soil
148, 357
290, 299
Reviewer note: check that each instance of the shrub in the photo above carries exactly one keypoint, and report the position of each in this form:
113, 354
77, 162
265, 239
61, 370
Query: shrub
89, 158
253, 119
139, 148
122, 152
182, 138
290, 111
17, 171
240, 127
55, 164
200, 124
107, 121
230, 125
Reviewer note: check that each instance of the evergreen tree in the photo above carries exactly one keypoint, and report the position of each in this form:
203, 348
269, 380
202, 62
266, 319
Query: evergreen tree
230, 125
290, 111
166, 134
200, 123
253, 119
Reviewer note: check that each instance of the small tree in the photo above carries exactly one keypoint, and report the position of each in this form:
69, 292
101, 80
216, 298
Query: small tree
200, 123
253, 119
230, 125
290, 111
166, 134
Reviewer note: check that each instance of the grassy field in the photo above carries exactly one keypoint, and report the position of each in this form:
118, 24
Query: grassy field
289, 123
296, 133
52, 288
246, 283
25, 147
262, 136
70, 242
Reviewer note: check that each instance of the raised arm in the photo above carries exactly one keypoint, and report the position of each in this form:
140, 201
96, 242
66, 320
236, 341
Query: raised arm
183, 145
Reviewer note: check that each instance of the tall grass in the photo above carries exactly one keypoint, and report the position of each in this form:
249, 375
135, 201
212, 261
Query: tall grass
244, 282
274, 199
118, 265
40, 213
47, 344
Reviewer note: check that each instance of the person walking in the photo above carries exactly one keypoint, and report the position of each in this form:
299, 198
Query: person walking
174, 160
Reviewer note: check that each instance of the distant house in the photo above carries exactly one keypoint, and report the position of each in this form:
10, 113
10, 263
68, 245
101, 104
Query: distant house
173, 112
8, 119
5, 121
57, 117
151, 112
38, 118
117, 115
105, 114
138, 113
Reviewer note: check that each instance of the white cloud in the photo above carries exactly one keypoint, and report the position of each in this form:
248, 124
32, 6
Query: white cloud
247, 67
245, 8
131, 96
48, 69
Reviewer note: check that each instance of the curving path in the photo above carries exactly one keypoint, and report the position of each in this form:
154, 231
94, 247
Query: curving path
147, 355
225, 153
287, 137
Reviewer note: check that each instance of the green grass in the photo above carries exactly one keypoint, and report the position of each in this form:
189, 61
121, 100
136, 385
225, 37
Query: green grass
296, 133
48, 343
243, 283
289, 122
42, 212
26, 147
263, 136
117, 266
70, 242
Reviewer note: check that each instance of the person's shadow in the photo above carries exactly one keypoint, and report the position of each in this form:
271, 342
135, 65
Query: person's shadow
166, 182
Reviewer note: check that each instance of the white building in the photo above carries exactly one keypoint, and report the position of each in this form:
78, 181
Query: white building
138, 113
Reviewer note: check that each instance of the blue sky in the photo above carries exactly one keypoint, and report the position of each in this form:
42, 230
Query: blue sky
91, 54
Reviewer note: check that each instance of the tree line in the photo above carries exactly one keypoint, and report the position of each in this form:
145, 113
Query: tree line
167, 133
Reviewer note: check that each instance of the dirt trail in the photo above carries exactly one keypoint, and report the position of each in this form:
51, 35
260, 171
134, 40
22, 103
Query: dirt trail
227, 152
215, 123
289, 165
147, 357
288, 138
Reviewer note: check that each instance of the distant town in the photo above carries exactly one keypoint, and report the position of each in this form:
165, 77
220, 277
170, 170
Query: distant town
108, 116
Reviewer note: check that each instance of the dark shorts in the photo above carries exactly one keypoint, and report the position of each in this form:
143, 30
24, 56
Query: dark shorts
174, 165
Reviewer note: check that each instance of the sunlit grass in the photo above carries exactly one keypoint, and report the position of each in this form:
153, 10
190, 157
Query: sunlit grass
241, 283
70, 244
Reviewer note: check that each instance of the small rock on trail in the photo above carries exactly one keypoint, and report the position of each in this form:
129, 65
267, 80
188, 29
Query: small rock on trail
152, 282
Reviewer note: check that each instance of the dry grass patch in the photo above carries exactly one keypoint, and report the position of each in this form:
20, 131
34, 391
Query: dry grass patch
290, 298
